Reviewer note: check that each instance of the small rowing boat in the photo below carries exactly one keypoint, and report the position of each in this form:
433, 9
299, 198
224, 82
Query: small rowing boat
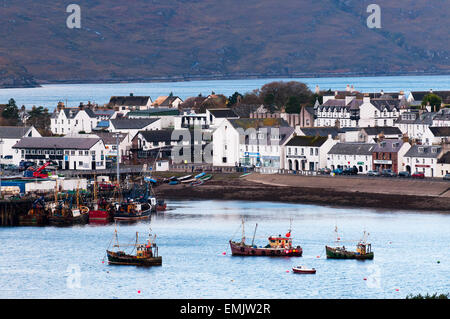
243, 175
184, 178
303, 270
200, 175
206, 177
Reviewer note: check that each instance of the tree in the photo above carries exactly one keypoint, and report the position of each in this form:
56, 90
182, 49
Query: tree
11, 112
40, 119
278, 94
235, 99
434, 100
293, 105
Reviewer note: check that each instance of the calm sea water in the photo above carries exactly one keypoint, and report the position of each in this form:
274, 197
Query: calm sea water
36, 262
50, 95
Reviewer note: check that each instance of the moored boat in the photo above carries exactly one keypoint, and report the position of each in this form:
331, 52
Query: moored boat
303, 270
363, 250
36, 216
146, 254
279, 246
206, 177
161, 205
62, 212
131, 211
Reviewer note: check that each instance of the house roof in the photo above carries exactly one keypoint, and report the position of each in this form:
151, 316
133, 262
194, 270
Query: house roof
130, 124
320, 131
73, 143
159, 100
353, 149
425, 118
168, 101
315, 141
129, 100
157, 136
444, 159
245, 123
13, 132
282, 133
388, 146
109, 137
419, 95
386, 130
382, 104
443, 131
428, 151
154, 112
223, 113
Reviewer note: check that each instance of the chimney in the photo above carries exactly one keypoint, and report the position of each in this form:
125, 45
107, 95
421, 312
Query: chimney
131, 94
382, 92
81, 106
348, 88
366, 98
352, 88
60, 106
317, 89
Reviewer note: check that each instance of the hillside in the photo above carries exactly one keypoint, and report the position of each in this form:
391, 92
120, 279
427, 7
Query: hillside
187, 39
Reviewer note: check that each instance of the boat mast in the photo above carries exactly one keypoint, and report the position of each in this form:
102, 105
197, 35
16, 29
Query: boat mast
243, 232
253, 239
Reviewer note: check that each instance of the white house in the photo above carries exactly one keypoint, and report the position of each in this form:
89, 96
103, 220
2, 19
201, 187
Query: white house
75, 153
110, 140
443, 165
250, 142
72, 121
9, 136
215, 117
130, 103
416, 125
378, 112
348, 155
307, 153
422, 158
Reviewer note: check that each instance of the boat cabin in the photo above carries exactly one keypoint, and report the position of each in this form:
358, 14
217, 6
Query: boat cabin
144, 251
280, 242
363, 249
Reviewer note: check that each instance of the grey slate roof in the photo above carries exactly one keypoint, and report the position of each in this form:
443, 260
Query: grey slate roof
425, 118
129, 100
130, 124
13, 132
444, 159
428, 151
386, 130
109, 138
382, 104
157, 136
72, 143
320, 131
223, 113
443, 131
314, 141
389, 146
353, 149
246, 123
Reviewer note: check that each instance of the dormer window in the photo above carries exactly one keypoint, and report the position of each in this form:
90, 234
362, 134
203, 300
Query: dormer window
420, 149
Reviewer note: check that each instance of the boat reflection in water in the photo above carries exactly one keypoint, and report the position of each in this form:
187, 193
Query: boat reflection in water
278, 246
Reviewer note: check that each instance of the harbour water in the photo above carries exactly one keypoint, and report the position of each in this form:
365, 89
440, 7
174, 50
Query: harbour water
72, 94
411, 255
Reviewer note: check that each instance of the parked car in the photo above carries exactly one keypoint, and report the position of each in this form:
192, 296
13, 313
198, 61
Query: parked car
388, 173
404, 174
373, 173
337, 171
350, 171
418, 175
324, 171
447, 177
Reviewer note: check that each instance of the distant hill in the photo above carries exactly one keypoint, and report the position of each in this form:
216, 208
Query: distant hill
186, 39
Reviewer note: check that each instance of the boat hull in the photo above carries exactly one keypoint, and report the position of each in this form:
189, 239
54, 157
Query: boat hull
304, 271
100, 217
128, 260
238, 250
333, 253
33, 220
82, 219
132, 217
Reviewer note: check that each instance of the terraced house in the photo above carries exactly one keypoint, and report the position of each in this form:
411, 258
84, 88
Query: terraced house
423, 159
307, 153
351, 155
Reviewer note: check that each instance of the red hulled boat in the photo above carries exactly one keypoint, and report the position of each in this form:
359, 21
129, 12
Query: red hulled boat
278, 246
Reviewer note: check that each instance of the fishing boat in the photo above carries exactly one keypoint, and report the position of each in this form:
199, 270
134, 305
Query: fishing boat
279, 246
174, 182
36, 216
62, 212
131, 211
146, 253
101, 211
363, 250
303, 270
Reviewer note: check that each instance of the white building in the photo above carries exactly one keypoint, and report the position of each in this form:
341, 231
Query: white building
416, 125
250, 142
69, 152
423, 159
349, 155
72, 121
9, 136
133, 126
307, 153
378, 112
130, 103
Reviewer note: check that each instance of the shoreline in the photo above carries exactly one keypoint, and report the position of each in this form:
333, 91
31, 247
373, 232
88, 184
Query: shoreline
230, 77
234, 188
